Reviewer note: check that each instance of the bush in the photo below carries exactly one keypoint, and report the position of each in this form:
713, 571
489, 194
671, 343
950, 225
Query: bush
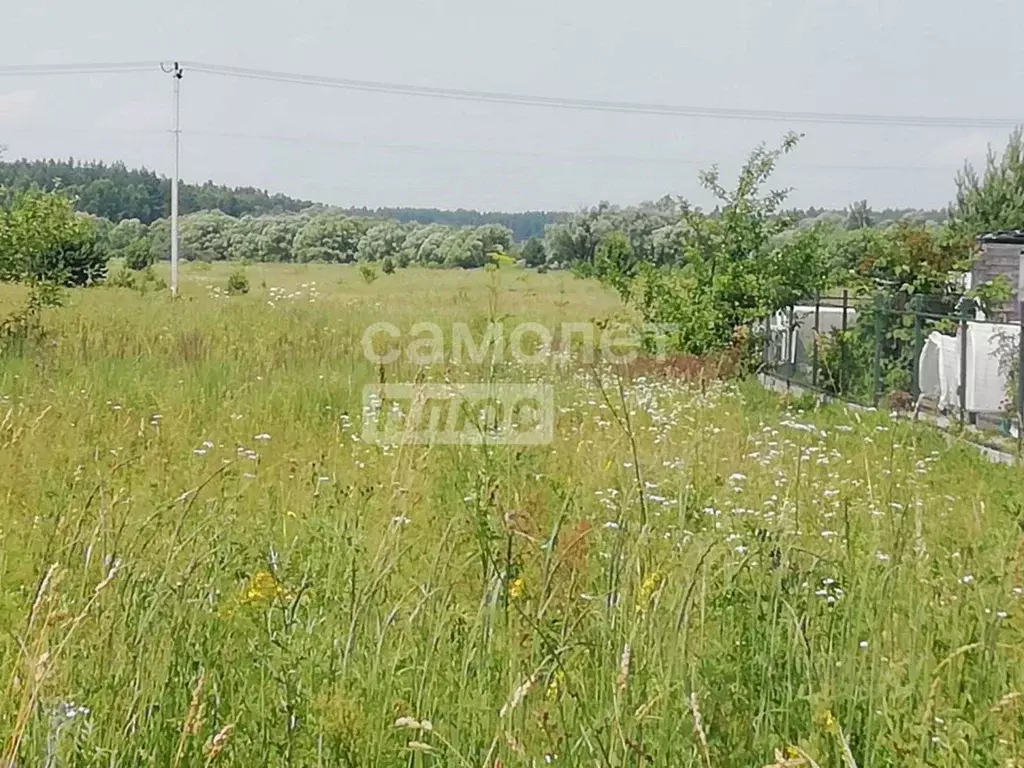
534, 253
138, 254
238, 283
149, 280
43, 239
78, 264
387, 266
369, 274
123, 278
143, 281
717, 273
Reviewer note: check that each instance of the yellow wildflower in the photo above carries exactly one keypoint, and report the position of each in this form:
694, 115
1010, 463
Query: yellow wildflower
262, 588
830, 721
554, 691
517, 589
647, 590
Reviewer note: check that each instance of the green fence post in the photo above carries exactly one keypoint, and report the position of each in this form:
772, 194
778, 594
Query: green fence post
766, 350
915, 371
840, 390
879, 330
965, 306
817, 330
791, 343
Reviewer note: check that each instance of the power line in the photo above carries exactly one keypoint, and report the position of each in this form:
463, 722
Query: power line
494, 97
605, 106
98, 68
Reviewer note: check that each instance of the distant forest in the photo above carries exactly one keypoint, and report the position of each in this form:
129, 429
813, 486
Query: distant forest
118, 193
128, 212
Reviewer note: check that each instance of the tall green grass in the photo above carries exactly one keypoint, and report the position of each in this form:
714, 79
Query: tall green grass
202, 562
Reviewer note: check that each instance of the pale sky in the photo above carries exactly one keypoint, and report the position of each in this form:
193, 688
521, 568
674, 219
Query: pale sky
902, 57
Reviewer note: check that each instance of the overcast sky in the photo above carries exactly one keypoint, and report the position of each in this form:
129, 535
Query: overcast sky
907, 57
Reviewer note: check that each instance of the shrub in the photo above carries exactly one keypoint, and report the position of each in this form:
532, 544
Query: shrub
238, 283
143, 281
368, 273
718, 272
533, 253
149, 280
123, 278
43, 239
387, 266
138, 254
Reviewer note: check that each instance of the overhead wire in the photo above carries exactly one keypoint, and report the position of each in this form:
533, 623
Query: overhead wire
518, 99
604, 106
95, 68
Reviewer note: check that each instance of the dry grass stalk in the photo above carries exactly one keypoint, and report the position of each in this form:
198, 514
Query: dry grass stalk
193, 720
698, 729
219, 742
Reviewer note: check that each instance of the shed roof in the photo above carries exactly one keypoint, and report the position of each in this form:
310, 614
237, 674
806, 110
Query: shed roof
1008, 237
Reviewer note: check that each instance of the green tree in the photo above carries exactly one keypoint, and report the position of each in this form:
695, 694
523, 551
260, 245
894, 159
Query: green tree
495, 239
205, 236
244, 238
463, 248
42, 238
860, 216
575, 239
533, 252
138, 254
276, 238
382, 241
124, 233
329, 237
993, 200
728, 270
423, 244
616, 262
116, 192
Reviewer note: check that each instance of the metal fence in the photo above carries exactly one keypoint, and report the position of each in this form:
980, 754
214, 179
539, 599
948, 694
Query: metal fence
926, 353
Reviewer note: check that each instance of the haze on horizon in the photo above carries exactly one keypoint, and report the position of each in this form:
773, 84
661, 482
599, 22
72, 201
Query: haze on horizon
366, 149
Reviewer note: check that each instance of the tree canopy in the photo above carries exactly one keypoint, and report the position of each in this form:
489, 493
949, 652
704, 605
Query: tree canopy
116, 192
994, 199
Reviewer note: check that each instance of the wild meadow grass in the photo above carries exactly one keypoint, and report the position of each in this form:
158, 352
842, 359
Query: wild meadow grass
202, 562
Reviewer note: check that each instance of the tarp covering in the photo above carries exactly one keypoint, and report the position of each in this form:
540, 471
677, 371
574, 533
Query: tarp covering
940, 370
990, 349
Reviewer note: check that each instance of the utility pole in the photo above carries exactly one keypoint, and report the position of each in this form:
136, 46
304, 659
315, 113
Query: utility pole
176, 72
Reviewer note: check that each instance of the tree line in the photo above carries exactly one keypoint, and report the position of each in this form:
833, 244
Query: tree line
318, 236
117, 193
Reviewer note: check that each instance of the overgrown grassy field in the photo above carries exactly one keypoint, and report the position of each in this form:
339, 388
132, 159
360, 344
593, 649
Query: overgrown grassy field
202, 562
